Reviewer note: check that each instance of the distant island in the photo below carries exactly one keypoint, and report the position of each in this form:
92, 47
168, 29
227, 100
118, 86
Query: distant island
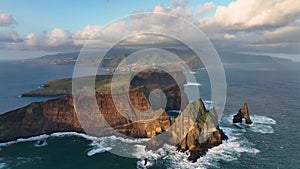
113, 58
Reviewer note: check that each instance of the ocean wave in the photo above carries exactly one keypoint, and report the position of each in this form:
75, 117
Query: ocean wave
228, 151
98, 148
41, 143
2, 165
114, 144
208, 104
264, 129
20, 140
192, 84
69, 134
262, 119
261, 124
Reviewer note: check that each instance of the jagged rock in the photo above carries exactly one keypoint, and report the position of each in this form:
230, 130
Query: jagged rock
204, 133
243, 113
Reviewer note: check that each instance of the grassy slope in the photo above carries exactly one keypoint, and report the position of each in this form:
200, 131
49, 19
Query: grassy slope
102, 83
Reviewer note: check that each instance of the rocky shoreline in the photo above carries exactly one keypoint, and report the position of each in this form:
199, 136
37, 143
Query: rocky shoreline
59, 115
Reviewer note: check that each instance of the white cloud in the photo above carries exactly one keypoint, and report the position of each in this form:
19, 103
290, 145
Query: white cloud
6, 19
85, 34
242, 25
246, 14
10, 37
206, 8
57, 38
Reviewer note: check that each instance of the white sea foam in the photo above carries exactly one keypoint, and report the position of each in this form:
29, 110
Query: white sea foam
258, 128
261, 124
114, 144
68, 134
229, 151
98, 148
20, 140
37, 144
208, 104
192, 84
2, 165
262, 119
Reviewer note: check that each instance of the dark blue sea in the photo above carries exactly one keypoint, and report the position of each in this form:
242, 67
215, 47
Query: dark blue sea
272, 91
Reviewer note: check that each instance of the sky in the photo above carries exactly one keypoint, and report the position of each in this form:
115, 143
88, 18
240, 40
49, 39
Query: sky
33, 28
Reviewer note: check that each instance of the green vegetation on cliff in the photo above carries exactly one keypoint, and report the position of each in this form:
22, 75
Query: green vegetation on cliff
152, 79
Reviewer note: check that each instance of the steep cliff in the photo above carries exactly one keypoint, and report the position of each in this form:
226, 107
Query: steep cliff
204, 132
110, 117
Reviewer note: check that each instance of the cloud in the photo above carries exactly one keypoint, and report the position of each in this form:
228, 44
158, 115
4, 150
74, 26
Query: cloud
81, 36
246, 14
55, 39
6, 19
255, 26
287, 34
10, 37
243, 25
206, 8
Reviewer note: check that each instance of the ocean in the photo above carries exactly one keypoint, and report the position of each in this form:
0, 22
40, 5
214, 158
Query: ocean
272, 91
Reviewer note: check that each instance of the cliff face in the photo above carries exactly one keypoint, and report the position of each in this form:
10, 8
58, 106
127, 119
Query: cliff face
38, 118
59, 115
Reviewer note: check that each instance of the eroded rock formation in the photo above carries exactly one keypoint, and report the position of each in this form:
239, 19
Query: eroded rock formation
242, 114
203, 134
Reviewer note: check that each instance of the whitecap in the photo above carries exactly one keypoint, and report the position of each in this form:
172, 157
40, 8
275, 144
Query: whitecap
262, 119
20, 140
208, 104
38, 144
97, 150
68, 134
233, 131
261, 124
2, 165
258, 128
228, 151
192, 84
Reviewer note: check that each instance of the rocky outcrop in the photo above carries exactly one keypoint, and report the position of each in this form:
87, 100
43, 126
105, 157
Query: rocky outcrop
203, 134
242, 114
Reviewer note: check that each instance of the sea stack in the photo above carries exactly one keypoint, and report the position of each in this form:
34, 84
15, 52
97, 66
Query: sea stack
203, 134
243, 113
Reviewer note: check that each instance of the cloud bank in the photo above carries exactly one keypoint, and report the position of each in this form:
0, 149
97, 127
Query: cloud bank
244, 26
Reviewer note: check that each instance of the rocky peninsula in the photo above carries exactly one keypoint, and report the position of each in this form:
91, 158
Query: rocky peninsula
59, 115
